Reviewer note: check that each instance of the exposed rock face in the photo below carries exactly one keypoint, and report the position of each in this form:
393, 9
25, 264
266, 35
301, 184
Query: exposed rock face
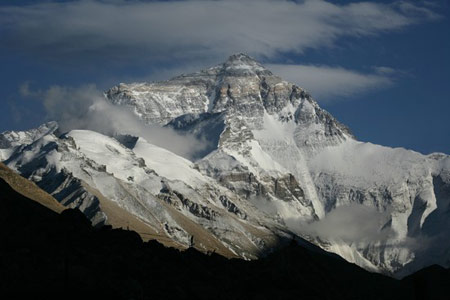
277, 164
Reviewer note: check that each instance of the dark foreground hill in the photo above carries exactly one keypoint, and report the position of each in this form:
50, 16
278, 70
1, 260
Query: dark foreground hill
46, 254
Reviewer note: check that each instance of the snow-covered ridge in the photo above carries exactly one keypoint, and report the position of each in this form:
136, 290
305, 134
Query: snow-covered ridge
11, 140
278, 165
177, 203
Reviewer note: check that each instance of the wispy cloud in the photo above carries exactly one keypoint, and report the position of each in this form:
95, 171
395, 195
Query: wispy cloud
153, 31
353, 223
85, 107
329, 84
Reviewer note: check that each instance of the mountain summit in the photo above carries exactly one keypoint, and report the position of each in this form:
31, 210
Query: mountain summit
277, 166
242, 64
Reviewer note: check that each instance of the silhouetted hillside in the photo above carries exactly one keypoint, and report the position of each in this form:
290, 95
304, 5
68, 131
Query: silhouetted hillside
29, 189
43, 253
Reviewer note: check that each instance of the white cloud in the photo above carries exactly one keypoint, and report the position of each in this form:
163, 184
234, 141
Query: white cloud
193, 30
328, 84
382, 70
25, 91
352, 223
85, 107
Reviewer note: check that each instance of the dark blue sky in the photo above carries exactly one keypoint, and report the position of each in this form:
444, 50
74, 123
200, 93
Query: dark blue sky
415, 111
381, 68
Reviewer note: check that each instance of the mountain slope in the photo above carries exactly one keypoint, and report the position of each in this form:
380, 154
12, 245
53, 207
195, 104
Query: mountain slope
115, 263
29, 189
74, 167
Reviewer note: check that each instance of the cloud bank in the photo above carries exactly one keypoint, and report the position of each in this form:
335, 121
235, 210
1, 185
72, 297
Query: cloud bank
85, 107
164, 37
329, 84
153, 31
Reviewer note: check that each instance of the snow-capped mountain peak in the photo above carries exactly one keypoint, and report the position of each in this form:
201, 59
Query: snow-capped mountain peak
241, 64
277, 165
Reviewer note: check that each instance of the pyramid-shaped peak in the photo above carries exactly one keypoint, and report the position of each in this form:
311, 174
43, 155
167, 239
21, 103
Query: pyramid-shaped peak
244, 64
241, 57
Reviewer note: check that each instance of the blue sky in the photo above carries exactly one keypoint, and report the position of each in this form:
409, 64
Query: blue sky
382, 68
